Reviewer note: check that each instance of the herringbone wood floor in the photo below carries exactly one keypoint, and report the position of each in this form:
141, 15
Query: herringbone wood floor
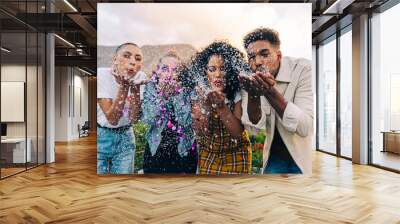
70, 191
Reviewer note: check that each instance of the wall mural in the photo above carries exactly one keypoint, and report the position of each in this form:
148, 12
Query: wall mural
204, 89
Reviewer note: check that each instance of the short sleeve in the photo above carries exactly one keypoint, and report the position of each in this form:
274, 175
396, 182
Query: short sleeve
238, 97
104, 80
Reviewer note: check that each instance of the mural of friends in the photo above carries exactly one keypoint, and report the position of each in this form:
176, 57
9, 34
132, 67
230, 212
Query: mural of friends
204, 89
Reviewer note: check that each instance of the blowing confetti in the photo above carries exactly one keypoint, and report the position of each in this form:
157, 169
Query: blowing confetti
172, 103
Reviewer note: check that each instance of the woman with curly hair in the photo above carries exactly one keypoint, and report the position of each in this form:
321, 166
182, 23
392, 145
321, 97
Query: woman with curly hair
223, 144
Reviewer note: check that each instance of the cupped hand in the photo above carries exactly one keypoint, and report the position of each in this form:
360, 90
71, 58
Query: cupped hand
266, 82
217, 99
122, 80
250, 84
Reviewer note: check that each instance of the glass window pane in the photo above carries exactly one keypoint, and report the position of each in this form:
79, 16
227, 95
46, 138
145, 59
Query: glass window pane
385, 89
31, 97
13, 85
327, 96
346, 94
41, 98
23, 86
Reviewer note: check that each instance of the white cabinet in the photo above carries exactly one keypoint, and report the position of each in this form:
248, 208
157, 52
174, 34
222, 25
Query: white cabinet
18, 149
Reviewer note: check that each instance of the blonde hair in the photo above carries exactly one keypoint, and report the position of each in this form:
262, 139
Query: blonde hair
170, 54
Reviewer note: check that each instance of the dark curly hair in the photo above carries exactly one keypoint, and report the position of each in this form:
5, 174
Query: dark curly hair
233, 61
262, 33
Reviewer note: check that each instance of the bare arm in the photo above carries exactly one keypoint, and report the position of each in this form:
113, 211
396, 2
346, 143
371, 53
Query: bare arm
254, 103
199, 120
297, 116
277, 101
254, 109
274, 97
135, 103
112, 108
232, 120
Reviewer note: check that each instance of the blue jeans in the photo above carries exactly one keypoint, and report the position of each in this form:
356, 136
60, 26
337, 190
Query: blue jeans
277, 165
115, 150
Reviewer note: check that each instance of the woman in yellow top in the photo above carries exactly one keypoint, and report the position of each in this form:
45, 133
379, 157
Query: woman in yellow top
223, 144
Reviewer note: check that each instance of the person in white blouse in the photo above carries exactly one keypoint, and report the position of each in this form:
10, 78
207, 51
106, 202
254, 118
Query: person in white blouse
118, 106
278, 98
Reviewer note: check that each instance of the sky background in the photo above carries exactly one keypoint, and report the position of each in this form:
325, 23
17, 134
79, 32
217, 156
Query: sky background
200, 24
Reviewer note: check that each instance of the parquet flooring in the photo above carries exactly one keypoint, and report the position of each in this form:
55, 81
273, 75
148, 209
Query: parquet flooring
70, 191
10, 171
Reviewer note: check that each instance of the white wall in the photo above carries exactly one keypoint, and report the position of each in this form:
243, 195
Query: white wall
11, 73
67, 114
16, 73
79, 117
61, 103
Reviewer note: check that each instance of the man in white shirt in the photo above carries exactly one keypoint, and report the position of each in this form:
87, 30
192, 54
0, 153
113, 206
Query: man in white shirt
118, 106
279, 99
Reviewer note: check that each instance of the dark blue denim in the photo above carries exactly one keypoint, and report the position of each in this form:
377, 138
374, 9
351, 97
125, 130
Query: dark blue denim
277, 164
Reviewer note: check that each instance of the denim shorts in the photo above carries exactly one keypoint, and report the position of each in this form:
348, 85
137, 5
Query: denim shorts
115, 150
277, 165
